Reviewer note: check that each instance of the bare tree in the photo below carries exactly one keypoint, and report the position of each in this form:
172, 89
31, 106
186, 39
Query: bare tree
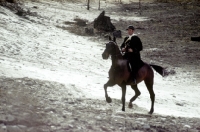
140, 6
88, 4
99, 5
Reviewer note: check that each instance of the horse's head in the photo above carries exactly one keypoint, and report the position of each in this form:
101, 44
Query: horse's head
110, 48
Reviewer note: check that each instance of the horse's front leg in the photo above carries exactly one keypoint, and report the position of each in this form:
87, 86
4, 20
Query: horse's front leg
137, 93
109, 83
123, 86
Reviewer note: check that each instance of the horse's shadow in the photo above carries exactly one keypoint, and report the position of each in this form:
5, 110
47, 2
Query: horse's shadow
135, 109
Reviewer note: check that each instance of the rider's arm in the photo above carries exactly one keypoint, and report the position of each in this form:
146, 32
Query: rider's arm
139, 44
136, 44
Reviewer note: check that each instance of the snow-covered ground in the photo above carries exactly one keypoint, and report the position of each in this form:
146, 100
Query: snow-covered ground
37, 49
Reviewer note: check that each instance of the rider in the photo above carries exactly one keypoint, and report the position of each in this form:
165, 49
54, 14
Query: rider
132, 46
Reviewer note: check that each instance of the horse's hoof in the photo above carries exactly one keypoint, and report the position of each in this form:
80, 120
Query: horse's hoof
108, 99
130, 105
151, 112
123, 109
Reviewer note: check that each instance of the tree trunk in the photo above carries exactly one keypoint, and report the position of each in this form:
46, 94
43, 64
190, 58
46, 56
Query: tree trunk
140, 6
88, 5
99, 5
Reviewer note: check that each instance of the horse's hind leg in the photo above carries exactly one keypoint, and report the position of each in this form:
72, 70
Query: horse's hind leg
137, 93
109, 83
149, 85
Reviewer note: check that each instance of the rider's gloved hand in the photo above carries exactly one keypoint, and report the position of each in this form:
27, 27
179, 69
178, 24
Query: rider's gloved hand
123, 49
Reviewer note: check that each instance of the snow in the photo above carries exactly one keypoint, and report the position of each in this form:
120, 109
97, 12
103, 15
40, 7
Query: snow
39, 50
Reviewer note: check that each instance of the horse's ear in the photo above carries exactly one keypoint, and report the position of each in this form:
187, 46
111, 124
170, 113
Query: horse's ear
114, 39
110, 38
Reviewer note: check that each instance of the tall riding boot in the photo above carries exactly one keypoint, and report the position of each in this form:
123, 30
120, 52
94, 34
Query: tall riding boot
133, 74
133, 78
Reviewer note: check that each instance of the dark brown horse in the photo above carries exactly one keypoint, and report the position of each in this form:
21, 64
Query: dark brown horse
119, 73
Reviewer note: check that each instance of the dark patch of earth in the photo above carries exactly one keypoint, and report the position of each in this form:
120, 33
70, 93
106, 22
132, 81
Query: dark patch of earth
29, 105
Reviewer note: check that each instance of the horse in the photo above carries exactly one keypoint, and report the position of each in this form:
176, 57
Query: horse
119, 74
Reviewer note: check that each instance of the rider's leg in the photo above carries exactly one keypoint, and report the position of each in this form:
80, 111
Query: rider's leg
133, 73
133, 62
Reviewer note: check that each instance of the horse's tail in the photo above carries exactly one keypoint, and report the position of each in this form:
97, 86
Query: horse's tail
159, 69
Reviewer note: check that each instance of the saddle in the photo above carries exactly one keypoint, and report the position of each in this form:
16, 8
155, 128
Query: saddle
130, 68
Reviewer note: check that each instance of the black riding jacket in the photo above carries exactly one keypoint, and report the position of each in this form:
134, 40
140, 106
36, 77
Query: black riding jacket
135, 44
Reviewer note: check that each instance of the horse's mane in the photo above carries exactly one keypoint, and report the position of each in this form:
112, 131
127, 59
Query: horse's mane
116, 46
